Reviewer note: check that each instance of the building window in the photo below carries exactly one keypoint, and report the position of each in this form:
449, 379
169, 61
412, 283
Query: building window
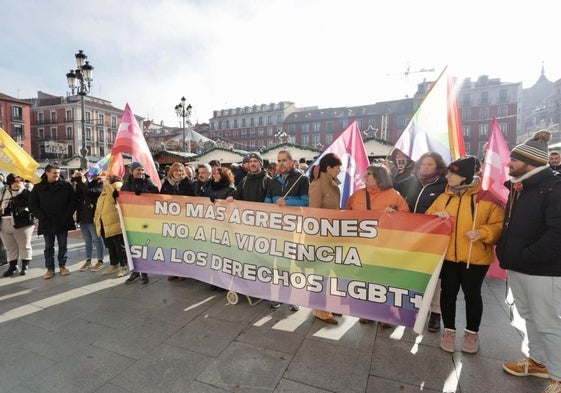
41, 133
402, 121
305, 127
40, 118
503, 96
113, 122
69, 117
69, 133
244, 122
292, 128
329, 126
466, 114
504, 128
53, 133
483, 130
17, 130
316, 126
88, 134
219, 124
260, 120
304, 139
101, 119
235, 123
467, 132
244, 132
484, 98
270, 131
466, 100
359, 123
345, 123
279, 119
252, 132
315, 139
484, 113
329, 139
88, 117
17, 113
100, 137
252, 122
502, 111
53, 117
227, 124
260, 132
269, 120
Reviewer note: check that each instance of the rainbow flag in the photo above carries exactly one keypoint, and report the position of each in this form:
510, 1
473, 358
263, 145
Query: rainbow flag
436, 124
97, 168
371, 265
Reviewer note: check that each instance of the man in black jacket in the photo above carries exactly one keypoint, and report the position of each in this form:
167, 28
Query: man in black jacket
530, 249
253, 186
53, 202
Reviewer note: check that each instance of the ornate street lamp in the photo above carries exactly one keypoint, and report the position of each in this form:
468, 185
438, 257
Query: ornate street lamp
80, 81
184, 112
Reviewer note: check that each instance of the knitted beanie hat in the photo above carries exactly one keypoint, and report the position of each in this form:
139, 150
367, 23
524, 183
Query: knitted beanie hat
533, 151
466, 167
136, 165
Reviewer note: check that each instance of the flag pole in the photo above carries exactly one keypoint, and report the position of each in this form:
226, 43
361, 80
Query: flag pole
473, 229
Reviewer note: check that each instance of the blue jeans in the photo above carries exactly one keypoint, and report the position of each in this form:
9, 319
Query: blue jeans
90, 238
62, 240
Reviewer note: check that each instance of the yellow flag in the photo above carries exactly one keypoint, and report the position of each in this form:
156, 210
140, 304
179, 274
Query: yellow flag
13, 159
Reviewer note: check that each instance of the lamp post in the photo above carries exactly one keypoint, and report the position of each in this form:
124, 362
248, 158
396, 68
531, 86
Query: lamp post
184, 112
80, 81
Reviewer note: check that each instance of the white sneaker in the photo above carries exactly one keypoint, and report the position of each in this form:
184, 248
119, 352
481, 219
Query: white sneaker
122, 272
110, 270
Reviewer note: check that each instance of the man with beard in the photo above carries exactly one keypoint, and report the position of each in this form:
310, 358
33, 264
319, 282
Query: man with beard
253, 186
530, 249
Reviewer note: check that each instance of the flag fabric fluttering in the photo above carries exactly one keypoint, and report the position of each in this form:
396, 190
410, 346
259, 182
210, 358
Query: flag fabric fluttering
349, 147
494, 174
97, 168
13, 159
130, 140
436, 124
493, 171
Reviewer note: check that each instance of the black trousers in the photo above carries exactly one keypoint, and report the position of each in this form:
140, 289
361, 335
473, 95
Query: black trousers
453, 276
116, 247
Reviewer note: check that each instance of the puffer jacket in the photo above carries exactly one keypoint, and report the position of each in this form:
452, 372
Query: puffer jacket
488, 222
106, 214
531, 240
379, 200
53, 204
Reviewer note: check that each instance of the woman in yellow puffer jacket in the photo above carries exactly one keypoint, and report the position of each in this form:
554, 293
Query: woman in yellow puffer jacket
108, 226
477, 228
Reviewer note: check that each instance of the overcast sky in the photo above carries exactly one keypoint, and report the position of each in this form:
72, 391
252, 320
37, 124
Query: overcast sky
224, 54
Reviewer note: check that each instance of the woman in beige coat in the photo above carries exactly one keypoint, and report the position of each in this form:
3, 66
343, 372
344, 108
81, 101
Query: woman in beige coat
324, 193
108, 226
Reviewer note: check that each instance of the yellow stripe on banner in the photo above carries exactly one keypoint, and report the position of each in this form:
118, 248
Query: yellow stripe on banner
417, 241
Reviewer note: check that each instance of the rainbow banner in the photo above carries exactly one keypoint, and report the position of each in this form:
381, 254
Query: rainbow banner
374, 265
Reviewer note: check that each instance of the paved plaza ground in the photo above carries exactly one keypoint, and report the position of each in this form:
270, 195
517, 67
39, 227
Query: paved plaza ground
89, 333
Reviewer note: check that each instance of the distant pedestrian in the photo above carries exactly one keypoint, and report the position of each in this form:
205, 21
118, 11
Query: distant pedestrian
53, 202
87, 193
555, 161
17, 224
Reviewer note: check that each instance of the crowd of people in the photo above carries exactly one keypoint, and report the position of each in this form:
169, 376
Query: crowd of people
526, 233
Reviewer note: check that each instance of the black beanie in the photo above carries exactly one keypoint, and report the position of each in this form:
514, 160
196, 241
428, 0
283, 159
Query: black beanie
466, 167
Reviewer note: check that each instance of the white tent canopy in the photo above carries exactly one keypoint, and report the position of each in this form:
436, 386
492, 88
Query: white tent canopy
192, 136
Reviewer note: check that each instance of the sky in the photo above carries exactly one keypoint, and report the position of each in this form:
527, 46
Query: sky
223, 54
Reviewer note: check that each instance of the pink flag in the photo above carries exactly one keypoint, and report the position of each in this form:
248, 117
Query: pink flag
494, 174
130, 140
436, 125
349, 147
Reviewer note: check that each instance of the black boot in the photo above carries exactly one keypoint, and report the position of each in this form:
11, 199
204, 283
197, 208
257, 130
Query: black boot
24, 266
12, 269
